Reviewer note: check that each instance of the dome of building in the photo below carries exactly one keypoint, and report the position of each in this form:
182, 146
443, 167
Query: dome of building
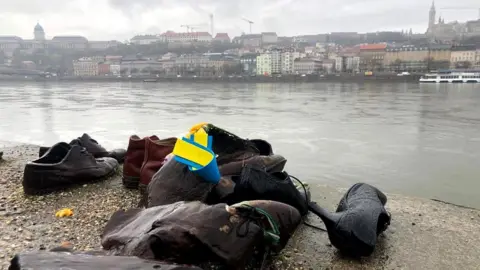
38, 28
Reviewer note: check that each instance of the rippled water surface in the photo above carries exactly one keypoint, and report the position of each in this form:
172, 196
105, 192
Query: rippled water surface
421, 140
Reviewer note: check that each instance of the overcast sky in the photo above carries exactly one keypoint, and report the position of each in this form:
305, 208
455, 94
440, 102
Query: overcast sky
122, 19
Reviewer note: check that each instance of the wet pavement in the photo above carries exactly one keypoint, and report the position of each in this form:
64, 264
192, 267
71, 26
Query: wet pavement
419, 140
423, 234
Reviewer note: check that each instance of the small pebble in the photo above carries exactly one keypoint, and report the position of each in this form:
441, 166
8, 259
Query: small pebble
413, 224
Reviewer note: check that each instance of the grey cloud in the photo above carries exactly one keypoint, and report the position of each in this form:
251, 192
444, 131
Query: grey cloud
286, 17
34, 6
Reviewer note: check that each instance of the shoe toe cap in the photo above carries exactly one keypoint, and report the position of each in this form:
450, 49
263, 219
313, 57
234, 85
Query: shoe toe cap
118, 154
109, 162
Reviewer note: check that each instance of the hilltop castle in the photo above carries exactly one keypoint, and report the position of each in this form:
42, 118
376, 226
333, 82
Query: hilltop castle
8, 44
452, 30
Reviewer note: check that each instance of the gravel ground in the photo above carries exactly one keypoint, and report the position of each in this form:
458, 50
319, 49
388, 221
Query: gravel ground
424, 234
29, 222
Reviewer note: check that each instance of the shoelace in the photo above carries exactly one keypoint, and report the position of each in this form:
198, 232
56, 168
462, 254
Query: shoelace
84, 151
253, 214
306, 203
259, 215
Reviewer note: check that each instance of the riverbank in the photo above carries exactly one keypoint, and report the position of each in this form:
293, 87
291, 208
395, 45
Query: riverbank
424, 234
227, 79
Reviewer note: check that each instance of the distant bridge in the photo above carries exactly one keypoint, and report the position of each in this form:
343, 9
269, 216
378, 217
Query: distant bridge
4, 70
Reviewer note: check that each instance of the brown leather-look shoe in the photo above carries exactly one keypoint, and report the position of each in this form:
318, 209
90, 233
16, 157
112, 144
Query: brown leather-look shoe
134, 160
155, 152
63, 166
93, 147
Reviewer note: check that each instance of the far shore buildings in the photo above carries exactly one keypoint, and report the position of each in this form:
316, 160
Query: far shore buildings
442, 31
8, 44
257, 40
174, 37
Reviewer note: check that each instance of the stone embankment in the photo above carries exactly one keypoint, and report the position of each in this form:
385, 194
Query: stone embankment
390, 78
424, 234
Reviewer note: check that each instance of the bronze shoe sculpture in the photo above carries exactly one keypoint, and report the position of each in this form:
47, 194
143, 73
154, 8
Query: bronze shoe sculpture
62, 166
93, 147
359, 219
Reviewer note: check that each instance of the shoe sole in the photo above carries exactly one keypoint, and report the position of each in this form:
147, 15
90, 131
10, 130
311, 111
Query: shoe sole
45, 191
142, 188
143, 195
131, 182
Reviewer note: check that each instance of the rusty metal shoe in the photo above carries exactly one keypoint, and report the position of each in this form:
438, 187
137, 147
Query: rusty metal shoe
93, 147
63, 166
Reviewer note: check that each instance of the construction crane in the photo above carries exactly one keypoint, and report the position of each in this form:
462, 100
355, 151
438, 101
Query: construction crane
250, 22
464, 8
190, 27
212, 26
187, 27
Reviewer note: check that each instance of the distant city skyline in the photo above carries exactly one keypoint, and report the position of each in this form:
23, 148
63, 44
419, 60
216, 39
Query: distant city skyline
122, 19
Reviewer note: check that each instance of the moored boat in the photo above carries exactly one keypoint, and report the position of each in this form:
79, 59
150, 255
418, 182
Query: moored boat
451, 77
150, 80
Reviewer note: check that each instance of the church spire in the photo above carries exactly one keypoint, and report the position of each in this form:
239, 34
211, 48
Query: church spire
431, 17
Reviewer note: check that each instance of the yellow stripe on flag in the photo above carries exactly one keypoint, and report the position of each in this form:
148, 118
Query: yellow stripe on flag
197, 127
192, 153
201, 137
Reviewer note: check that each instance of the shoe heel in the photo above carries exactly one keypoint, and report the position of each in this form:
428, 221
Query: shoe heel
130, 182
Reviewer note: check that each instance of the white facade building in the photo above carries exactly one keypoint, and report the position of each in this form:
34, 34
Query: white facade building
276, 62
115, 69
288, 59
171, 36
264, 64
85, 67
353, 64
339, 64
328, 65
307, 66
147, 39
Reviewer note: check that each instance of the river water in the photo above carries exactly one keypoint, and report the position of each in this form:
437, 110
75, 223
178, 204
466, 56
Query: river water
420, 140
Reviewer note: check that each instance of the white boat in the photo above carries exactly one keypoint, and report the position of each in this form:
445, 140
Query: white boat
451, 77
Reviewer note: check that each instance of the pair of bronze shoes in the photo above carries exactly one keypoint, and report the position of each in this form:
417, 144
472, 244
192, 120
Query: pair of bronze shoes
63, 165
